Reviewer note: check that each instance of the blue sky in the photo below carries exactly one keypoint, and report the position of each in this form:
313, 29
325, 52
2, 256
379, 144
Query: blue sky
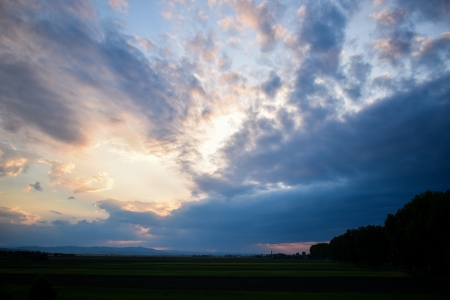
233, 125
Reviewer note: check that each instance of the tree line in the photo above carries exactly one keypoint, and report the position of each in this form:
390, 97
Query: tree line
417, 237
33, 255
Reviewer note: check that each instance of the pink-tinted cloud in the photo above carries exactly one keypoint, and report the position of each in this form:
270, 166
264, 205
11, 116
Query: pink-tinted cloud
119, 5
394, 47
430, 45
287, 248
160, 208
97, 182
124, 242
14, 215
145, 43
262, 19
167, 15
204, 46
14, 162
229, 24
57, 169
388, 18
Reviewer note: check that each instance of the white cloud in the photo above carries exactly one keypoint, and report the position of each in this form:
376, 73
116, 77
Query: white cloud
57, 169
97, 182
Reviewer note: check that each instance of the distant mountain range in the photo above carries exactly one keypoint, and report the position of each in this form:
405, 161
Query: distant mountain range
112, 251
93, 250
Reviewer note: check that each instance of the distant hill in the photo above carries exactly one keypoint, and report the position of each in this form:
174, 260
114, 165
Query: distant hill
100, 250
94, 250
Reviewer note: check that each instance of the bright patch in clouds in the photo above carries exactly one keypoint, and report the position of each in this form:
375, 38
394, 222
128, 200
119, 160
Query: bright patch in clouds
238, 125
287, 248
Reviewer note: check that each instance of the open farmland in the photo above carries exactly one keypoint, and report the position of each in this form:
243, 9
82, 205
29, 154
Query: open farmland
212, 278
190, 267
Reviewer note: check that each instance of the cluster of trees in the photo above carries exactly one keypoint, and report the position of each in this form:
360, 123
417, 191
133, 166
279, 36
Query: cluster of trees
365, 245
287, 256
417, 236
319, 251
34, 255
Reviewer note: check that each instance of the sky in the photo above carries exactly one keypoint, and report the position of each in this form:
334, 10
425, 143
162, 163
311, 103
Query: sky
218, 126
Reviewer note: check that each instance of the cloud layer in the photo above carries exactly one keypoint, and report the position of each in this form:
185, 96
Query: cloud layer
286, 123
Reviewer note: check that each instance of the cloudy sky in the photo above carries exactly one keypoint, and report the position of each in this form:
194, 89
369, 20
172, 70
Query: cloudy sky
220, 125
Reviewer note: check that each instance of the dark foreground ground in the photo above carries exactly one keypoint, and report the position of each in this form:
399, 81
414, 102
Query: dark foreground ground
174, 278
276, 284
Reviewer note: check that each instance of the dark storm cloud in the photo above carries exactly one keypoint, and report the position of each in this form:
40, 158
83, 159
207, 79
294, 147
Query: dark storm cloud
323, 31
384, 153
71, 198
228, 225
398, 137
48, 61
26, 101
83, 233
28, 98
226, 187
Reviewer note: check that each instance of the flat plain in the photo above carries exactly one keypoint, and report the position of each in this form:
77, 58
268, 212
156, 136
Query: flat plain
213, 278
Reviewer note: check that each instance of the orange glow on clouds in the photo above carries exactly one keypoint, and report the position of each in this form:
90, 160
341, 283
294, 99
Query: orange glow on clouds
288, 248
124, 242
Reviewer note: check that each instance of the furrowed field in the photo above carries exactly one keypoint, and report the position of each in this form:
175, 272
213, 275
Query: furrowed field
212, 278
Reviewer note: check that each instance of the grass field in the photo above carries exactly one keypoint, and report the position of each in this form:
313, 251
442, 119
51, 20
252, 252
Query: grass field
198, 267
211, 278
19, 292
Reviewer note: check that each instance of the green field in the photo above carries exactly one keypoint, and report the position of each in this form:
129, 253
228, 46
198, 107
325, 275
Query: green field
198, 267
135, 277
19, 292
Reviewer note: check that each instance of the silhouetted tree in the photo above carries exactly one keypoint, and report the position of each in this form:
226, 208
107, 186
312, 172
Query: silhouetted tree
371, 245
319, 251
34, 255
417, 236
418, 233
42, 289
